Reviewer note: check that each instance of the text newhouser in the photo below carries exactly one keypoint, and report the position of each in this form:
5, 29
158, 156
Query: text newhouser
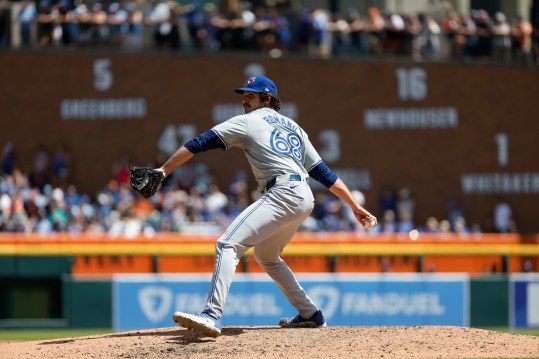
410, 118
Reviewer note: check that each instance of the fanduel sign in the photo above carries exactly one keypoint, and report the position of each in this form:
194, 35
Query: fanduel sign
148, 301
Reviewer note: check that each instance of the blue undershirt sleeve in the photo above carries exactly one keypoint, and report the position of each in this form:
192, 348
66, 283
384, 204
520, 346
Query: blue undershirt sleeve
323, 174
208, 140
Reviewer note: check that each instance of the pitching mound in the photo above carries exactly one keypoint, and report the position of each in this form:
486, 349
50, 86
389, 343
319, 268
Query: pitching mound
274, 342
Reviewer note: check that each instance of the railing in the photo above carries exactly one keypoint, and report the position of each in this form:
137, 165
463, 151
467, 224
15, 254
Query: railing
331, 252
327, 244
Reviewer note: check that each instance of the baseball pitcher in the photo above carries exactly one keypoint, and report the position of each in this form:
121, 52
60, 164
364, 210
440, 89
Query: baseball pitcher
282, 160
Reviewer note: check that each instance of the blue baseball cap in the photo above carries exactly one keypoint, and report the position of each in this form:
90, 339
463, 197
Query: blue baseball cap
258, 84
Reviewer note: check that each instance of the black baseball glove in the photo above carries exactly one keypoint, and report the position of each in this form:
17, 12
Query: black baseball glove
145, 180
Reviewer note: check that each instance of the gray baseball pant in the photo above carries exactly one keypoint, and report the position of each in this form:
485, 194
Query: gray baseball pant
267, 225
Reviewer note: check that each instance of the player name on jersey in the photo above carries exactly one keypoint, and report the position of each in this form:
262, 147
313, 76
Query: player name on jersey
274, 120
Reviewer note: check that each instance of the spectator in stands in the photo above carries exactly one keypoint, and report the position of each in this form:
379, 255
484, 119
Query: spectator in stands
238, 185
237, 35
216, 202
72, 197
461, 226
39, 176
262, 33
453, 212
327, 212
121, 170
66, 22
83, 28
304, 31
8, 158
417, 36
46, 20
126, 199
194, 18
357, 37
117, 24
248, 18
4, 27
321, 39
235, 207
117, 211
152, 222
280, 28
174, 215
444, 227
409, 36
460, 31
431, 225
58, 215
41, 223
135, 26
3, 214
467, 31
483, 48
521, 40
535, 38
450, 29
162, 19
389, 223
100, 30
27, 16
108, 198
501, 39
339, 30
387, 199
61, 167
405, 222
503, 216
19, 221
214, 28
196, 208
428, 44
394, 27
405, 203
375, 28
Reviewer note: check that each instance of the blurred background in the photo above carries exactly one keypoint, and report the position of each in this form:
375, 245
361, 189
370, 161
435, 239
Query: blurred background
426, 109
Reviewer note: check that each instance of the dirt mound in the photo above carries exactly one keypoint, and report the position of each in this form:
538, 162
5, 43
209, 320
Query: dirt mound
274, 342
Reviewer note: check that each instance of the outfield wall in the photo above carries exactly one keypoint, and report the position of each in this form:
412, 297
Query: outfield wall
445, 131
148, 301
66, 281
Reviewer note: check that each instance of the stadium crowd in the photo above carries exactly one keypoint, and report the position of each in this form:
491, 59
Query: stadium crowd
440, 34
43, 200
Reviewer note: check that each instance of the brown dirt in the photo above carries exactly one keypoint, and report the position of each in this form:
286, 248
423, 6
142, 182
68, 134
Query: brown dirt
273, 342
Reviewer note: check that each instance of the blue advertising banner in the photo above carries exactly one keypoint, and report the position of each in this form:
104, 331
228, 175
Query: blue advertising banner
149, 301
524, 300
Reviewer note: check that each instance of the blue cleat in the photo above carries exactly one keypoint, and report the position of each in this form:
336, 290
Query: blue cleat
315, 321
202, 322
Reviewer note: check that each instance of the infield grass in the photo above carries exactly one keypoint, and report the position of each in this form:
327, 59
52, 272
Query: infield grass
534, 332
20, 334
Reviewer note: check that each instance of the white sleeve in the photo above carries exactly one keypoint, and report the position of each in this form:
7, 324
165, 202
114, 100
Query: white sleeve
233, 132
312, 158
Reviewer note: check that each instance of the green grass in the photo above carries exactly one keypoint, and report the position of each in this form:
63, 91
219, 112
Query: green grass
18, 334
43, 334
534, 332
